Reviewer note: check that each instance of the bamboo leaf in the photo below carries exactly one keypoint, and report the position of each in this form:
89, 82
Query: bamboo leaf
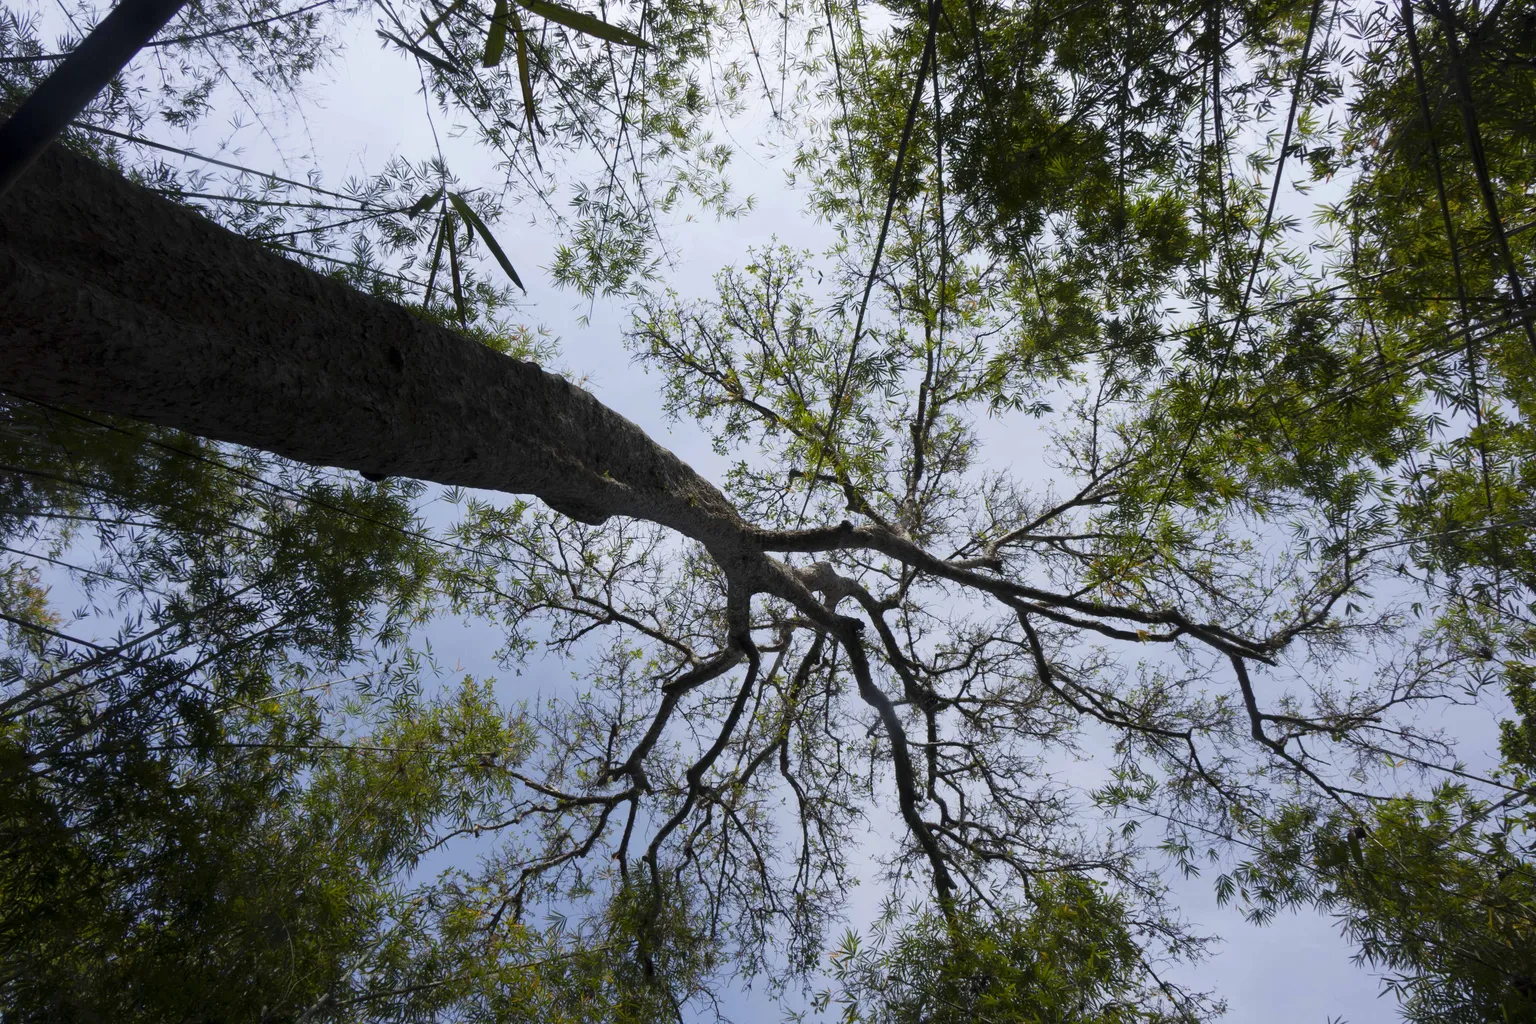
424, 203
447, 67
437, 257
453, 264
478, 226
584, 23
496, 39
525, 77
431, 29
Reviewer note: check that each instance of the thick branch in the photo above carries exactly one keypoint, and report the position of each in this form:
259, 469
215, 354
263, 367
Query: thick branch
117, 300
847, 536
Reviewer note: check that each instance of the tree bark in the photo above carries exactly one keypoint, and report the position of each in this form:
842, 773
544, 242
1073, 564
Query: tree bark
117, 300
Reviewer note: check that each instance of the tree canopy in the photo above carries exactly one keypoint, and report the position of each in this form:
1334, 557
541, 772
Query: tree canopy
1249, 281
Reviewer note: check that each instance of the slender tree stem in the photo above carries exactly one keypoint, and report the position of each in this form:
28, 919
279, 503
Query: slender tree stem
79, 77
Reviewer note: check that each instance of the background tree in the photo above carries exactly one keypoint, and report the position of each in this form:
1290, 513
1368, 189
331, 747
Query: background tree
1070, 955
225, 813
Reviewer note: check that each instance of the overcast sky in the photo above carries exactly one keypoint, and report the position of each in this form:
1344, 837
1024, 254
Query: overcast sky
1295, 970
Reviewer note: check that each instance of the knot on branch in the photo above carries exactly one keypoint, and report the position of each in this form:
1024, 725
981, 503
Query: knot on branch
824, 579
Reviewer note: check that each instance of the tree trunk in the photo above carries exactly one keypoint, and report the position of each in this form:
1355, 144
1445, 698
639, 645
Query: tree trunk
116, 300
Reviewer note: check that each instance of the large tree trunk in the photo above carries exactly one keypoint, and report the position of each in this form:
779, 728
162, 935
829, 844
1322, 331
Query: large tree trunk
116, 300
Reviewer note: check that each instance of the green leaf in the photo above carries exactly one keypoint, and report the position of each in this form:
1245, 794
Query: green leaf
447, 67
496, 39
478, 226
431, 29
586, 24
424, 203
525, 78
453, 264
437, 258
